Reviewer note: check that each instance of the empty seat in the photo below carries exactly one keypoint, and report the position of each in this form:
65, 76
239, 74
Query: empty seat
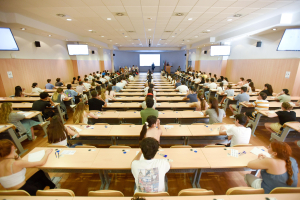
195, 192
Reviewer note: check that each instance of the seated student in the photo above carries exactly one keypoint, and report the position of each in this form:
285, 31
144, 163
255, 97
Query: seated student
268, 89
215, 114
7, 115
86, 84
58, 134
98, 80
81, 114
78, 78
280, 170
283, 96
80, 88
103, 80
197, 79
251, 87
120, 84
115, 87
211, 86
286, 115
151, 128
206, 82
110, 94
74, 80
71, 93
13, 170
260, 104
94, 84
95, 103
201, 104
124, 81
248, 81
59, 83
36, 89
146, 88
241, 83
237, 134
131, 78
220, 88
220, 79
49, 85
59, 97
149, 173
229, 93
44, 102
178, 83
149, 110
151, 86
90, 77
225, 81
191, 95
149, 95
240, 98
19, 91
182, 88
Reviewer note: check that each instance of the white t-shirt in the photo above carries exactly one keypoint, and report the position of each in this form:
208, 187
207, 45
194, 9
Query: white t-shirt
37, 90
197, 80
124, 82
240, 135
121, 85
149, 175
212, 86
219, 89
182, 88
90, 77
103, 80
87, 85
107, 78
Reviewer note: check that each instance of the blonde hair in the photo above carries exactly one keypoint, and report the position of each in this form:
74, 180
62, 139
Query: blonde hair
79, 112
55, 95
287, 106
103, 90
4, 112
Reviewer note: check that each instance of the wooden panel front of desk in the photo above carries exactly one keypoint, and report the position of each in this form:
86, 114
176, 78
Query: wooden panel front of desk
168, 69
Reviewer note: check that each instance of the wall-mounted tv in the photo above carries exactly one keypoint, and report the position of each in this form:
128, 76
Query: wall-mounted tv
290, 40
78, 49
7, 40
219, 50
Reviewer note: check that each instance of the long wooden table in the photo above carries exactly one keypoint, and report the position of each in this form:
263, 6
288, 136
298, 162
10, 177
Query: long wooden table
287, 128
24, 99
157, 94
246, 108
163, 105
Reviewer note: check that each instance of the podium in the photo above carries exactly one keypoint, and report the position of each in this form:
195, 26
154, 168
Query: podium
168, 69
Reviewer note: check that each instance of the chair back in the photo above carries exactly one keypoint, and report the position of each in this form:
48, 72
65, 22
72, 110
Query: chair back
181, 146
120, 147
244, 190
155, 194
282, 190
127, 124
83, 146
14, 193
56, 146
106, 193
101, 124
198, 124
195, 192
242, 145
214, 146
55, 192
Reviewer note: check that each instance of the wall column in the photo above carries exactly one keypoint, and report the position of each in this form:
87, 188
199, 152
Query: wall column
187, 60
112, 60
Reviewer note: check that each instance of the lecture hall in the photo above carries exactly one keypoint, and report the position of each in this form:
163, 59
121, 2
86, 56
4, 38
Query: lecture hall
149, 99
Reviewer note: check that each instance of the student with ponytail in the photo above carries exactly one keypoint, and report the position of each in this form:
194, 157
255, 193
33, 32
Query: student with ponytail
36, 89
280, 170
149, 128
59, 97
215, 114
201, 104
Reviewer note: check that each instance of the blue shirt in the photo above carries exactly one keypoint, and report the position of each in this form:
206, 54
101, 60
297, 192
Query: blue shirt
192, 97
103, 74
116, 88
49, 86
229, 92
242, 97
71, 93
177, 84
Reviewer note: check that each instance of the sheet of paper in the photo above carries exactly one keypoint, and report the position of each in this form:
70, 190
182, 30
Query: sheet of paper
2, 126
68, 152
201, 113
257, 151
25, 113
36, 156
234, 153
228, 126
76, 128
168, 126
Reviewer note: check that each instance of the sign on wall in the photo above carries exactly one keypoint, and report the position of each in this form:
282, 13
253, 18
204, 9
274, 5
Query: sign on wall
9, 74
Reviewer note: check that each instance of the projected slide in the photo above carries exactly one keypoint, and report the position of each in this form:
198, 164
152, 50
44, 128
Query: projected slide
7, 40
290, 40
148, 59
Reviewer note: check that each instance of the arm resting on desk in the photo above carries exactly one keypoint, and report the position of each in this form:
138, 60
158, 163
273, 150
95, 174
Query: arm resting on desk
260, 163
24, 163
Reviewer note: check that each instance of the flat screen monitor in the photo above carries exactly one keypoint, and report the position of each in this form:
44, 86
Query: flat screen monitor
290, 40
149, 59
7, 40
219, 50
78, 49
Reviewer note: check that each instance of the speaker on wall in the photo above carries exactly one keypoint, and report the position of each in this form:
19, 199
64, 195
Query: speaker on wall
114, 54
93, 52
37, 44
205, 52
258, 44
184, 54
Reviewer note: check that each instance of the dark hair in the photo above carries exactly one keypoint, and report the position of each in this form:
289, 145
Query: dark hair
78, 77
183, 82
34, 85
200, 95
151, 86
252, 86
48, 80
58, 79
150, 90
69, 86
214, 105
212, 80
18, 91
149, 147
286, 91
80, 82
149, 102
74, 79
207, 80
114, 82
5, 147
94, 94
226, 79
86, 79
263, 95
242, 78
44, 95
215, 75
93, 82
151, 119
222, 78
229, 86
109, 88
221, 84
249, 80
242, 118
244, 89
269, 88
56, 130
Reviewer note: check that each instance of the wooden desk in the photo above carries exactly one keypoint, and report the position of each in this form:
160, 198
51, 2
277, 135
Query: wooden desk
134, 86
23, 99
164, 86
287, 127
141, 99
272, 106
165, 90
263, 197
36, 94
132, 90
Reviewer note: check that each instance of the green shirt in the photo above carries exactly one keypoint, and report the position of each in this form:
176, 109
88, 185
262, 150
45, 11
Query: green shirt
284, 98
147, 112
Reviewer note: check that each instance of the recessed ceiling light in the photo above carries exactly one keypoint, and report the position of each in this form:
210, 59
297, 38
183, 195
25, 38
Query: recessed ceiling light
229, 20
50, 35
108, 18
190, 18
102, 35
149, 29
173, 36
116, 43
140, 44
90, 30
125, 35
149, 18
196, 35
274, 29
86, 43
132, 43
207, 30
158, 44
69, 19
67, 40
166, 43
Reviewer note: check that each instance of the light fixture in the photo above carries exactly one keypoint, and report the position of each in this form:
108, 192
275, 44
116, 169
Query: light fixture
149, 18
23, 29
140, 44
196, 36
173, 36
50, 35
90, 30
69, 19
116, 43
286, 18
229, 20
67, 40
190, 18
125, 35
108, 18
102, 35
274, 29
158, 44
149, 29
132, 43
207, 30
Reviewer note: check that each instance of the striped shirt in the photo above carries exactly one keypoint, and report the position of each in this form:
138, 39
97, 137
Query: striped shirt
260, 105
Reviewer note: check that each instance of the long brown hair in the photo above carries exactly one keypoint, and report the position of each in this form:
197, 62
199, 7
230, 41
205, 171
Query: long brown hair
200, 96
79, 112
5, 147
284, 152
56, 130
4, 112
150, 120
93, 82
55, 95
214, 105
287, 106
252, 86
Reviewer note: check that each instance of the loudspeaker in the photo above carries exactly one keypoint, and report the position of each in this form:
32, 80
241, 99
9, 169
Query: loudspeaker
93, 52
258, 44
114, 54
205, 52
184, 54
37, 44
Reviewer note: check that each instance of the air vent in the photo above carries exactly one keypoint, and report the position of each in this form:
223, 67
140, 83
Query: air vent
168, 31
237, 15
120, 14
61, 15
179, 14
